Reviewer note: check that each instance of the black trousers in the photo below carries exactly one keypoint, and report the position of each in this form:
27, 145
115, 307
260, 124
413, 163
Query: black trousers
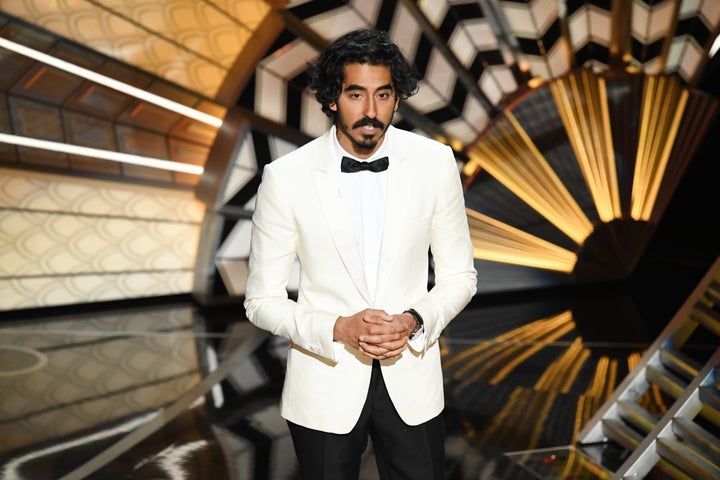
402, 452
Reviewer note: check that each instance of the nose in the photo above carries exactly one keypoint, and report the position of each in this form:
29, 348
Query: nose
370, 109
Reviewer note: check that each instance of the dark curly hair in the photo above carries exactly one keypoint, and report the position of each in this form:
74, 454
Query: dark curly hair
364, 46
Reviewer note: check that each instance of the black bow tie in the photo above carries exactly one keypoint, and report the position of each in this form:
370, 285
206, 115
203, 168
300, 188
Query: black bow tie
350, 165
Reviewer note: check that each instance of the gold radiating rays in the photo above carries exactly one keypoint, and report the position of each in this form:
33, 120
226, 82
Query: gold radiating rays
585, 114
658, 128
492, 360
529, 176
493, 240
601, 387
561, 373
528, 409
631, 142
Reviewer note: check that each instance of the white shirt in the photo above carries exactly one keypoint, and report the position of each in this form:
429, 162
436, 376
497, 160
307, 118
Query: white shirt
364, 194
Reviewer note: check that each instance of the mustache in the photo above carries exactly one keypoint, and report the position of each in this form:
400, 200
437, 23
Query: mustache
373, 122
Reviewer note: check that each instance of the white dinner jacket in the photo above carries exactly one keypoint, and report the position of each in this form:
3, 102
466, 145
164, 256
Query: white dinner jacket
300, 212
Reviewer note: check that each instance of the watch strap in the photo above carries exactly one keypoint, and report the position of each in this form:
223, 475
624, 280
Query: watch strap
418, 321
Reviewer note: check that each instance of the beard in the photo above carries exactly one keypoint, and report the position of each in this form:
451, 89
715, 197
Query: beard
365, 142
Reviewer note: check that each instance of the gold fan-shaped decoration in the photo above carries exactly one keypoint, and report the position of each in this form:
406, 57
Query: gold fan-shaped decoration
597, 156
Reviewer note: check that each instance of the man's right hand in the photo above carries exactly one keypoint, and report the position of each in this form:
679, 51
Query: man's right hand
373, 332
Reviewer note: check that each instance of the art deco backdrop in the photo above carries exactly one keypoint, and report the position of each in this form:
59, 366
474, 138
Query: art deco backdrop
583, 135
573, 123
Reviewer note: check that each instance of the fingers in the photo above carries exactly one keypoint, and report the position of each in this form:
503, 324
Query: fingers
385, 350
378, 331
377, 317
378, 335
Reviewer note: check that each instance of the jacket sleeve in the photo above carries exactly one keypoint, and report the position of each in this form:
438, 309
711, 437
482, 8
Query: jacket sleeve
272, 256
455, 280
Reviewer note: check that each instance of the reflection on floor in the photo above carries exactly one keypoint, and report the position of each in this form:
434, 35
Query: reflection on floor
171, 392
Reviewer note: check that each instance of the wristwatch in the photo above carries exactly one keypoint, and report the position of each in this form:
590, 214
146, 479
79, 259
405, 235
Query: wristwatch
418, 321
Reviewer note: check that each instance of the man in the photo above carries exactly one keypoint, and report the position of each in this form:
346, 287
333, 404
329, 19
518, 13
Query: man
361, 232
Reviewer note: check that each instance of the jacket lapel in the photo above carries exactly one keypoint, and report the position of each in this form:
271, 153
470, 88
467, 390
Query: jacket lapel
328, 186
397, 206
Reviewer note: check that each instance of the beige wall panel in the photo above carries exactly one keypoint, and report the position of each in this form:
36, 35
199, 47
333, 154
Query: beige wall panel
66, 241
187, 42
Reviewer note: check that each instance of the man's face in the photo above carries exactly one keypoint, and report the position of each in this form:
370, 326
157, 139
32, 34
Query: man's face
364, 108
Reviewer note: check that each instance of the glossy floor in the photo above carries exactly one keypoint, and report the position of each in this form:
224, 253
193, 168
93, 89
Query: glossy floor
172, 392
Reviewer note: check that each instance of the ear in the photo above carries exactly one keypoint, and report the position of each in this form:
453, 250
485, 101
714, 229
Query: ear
397, 104
333, 106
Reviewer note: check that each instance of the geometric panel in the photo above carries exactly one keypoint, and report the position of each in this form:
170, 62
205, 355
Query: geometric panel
140, 142
696, 28
95, 166
149, 174
64, 242
536, 26
36, 120
99, 100
190, 154
47, 84
43, 158
150, 117
89, 131
232, 260
589, 29
651, 24
242, 168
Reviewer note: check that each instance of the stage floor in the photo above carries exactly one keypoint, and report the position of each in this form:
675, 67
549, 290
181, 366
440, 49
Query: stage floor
175, 392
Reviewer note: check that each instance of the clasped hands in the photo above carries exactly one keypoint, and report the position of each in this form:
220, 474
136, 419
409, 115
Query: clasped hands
375, 333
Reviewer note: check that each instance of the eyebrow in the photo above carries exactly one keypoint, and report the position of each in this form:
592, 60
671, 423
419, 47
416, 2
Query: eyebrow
354, 87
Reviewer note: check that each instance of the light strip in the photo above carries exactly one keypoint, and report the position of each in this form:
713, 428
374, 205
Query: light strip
496, 241
715, 47
101, 154
112, 83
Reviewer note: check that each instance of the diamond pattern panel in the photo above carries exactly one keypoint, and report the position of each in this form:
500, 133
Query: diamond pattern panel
68, 241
